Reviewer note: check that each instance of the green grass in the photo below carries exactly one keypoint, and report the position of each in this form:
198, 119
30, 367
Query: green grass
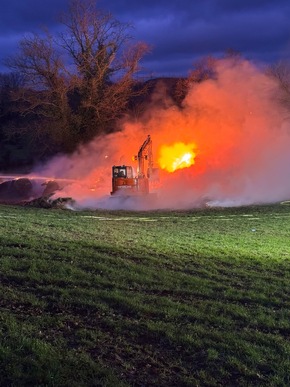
100, 298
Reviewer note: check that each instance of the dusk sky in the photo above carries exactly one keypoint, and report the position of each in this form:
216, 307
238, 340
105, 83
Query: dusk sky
179, 31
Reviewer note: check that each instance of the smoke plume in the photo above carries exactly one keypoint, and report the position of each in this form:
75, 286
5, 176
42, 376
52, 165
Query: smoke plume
241, 136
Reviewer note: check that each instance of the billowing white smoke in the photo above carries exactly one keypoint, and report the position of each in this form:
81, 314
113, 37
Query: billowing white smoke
242, 137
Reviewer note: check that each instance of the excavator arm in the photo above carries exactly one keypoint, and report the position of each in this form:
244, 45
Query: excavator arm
145, 153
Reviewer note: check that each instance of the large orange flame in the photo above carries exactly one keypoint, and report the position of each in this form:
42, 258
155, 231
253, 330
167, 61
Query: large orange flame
176, 156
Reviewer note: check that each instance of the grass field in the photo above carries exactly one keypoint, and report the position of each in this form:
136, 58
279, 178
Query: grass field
96, 298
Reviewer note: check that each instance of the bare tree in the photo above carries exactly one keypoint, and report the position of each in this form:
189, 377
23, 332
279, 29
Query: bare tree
82, 80
104, 61
9, 83
281, 73
44, 96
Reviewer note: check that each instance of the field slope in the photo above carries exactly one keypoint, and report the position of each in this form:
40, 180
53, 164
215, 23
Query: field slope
99, 298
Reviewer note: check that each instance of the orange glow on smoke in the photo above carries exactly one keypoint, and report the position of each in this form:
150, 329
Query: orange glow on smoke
176, 156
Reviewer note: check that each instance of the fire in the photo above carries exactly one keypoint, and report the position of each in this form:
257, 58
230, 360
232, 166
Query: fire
176, 156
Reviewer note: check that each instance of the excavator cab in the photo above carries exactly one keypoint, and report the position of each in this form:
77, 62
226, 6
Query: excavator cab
123, 181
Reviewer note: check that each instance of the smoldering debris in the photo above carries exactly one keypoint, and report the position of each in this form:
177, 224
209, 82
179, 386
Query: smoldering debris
48, 202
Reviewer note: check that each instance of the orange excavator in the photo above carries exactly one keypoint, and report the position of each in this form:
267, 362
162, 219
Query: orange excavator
124, 182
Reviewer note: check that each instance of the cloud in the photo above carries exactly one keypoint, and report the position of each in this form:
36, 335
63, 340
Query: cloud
179, 31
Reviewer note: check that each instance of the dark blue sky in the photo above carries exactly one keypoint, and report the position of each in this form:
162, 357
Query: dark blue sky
179, 31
